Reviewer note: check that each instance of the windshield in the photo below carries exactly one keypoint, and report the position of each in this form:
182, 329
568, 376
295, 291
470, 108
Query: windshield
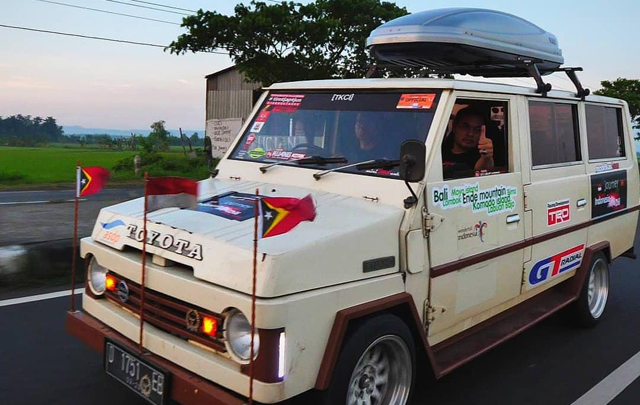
358, 126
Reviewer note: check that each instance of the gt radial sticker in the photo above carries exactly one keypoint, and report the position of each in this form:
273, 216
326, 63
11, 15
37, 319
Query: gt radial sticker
416, 101
553, 266
558, 212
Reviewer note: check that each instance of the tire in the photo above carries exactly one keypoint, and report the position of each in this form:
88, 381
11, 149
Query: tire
376, 366
592, 302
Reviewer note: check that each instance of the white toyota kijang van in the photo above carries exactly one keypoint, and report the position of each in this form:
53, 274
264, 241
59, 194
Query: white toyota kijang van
450, 216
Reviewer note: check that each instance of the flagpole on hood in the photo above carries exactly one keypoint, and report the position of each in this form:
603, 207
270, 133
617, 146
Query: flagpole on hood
256, 208
75, 238
144, 258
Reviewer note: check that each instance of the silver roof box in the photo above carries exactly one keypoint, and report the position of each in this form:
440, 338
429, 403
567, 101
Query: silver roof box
467, 41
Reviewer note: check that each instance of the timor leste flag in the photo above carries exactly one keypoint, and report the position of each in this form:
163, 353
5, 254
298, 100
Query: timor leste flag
279, 215
90, 180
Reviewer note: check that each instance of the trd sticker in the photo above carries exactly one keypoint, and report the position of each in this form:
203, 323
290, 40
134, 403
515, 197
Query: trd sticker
492, 200
558, 212
548, 268
416, 101
608, 193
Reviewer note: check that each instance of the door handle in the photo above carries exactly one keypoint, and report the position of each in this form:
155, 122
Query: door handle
512, 219
581, 203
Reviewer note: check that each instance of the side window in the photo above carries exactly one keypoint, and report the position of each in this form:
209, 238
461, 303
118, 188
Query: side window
476, 140
554, 133
604, 132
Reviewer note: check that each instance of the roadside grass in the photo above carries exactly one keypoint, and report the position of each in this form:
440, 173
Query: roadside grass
55, 166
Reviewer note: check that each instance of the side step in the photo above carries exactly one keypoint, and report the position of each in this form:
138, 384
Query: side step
462, 348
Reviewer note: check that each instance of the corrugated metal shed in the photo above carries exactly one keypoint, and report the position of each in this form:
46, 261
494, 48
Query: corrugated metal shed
229, 95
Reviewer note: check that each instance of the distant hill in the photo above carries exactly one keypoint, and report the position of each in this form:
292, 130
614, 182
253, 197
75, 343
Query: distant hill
78, 130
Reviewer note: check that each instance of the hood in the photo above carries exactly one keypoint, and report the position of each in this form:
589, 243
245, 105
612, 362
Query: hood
349, 239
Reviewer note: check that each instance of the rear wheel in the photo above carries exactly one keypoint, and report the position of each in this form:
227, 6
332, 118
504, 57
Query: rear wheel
590, 306
376, 365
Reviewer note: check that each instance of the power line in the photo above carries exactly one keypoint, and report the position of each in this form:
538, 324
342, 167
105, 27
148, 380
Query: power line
150, 8
122, 41
162, 5
107, 12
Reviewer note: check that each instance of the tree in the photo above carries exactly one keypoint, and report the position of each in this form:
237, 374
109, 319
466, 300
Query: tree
627, 90
160, 136
291, 41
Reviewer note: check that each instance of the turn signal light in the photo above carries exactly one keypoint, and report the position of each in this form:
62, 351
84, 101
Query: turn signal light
209, 326
110, 283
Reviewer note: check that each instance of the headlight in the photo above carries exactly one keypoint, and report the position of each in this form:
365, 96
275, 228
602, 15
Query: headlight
237, 334
97, 276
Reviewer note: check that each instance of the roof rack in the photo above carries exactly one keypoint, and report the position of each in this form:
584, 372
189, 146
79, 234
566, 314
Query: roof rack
471, 41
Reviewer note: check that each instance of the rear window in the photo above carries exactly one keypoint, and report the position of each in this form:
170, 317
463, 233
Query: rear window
604, 132
554, 133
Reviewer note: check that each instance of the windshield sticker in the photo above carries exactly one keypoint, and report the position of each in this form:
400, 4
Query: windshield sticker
284, 103
416, 101
608, 193
282, 154
494, 200
249, 141
558, 212
233, 205
605, 167
257, 126
256, 153
342, 97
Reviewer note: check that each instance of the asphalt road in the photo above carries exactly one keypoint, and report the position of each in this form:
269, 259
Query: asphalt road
37, 216
551, 363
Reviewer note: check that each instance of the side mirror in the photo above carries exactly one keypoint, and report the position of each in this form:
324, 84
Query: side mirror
412, 160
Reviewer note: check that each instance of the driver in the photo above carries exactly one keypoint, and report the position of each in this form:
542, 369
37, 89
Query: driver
368, 131
467, 146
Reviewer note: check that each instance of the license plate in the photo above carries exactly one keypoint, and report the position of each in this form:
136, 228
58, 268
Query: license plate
148, 381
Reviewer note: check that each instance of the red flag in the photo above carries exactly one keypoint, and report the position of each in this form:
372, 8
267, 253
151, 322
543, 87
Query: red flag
279, 215
164, 192
90, 180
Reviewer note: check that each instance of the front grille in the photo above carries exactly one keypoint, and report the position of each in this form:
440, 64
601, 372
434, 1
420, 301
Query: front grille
167, 313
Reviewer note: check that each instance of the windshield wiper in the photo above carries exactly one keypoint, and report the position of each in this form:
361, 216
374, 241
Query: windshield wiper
318, 175
378, 164
309, 160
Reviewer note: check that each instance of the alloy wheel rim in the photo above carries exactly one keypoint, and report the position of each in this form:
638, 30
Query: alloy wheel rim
382, 375
598, 288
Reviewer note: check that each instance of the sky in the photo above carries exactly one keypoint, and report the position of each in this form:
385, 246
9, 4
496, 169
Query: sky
109, 85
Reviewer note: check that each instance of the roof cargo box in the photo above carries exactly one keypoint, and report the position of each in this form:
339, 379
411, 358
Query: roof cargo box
467, 41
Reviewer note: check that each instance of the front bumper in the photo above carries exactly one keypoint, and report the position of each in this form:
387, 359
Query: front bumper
186, 388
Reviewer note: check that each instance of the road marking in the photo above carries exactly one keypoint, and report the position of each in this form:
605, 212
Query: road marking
40, 202
39, 297
613, 384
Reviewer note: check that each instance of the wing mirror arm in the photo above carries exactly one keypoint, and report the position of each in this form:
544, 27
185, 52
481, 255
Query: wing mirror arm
412, 167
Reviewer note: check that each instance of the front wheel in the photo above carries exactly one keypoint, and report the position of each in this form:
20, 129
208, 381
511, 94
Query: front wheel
376, 365
591, 303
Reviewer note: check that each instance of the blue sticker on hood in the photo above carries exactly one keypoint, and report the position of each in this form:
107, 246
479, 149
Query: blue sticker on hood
232, 205
112, 224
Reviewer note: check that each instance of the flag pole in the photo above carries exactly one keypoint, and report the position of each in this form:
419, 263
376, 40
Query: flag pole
144, 259
75, 238
256, 210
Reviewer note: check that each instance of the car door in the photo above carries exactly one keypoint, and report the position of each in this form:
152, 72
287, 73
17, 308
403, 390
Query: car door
476, 221
556, 192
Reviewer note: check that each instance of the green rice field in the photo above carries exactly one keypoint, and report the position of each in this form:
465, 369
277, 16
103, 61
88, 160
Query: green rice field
55, 166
